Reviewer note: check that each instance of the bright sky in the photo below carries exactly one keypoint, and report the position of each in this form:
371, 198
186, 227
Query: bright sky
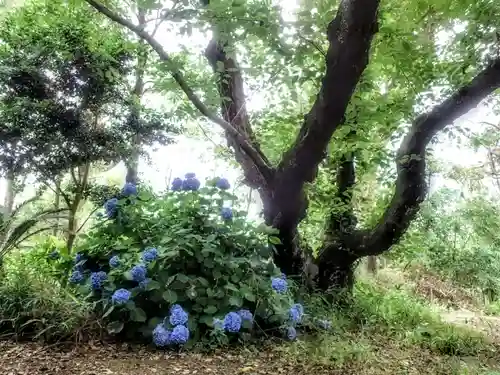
189, 155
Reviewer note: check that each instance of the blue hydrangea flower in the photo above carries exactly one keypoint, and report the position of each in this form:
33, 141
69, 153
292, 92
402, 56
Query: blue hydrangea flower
279, 285
178, 316
111, 207
129, 189
223, 184
179, 335
149, 255
102, 275
120, 296
232, 322
191, 183
139, 272
161, 336
177, 184
76, 277
218, 324
296, 313
96, 280
144, 283
79, 257
324, 324
245, 315
190, 175
54, 255
226, 213
114, 261
291, 333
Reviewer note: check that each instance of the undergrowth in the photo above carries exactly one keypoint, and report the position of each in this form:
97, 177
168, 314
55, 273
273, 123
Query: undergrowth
34, 305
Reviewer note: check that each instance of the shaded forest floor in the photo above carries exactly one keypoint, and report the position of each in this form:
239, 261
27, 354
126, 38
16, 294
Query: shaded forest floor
405, 349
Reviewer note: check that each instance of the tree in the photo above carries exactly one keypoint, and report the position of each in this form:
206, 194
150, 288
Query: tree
341, 109
66, 98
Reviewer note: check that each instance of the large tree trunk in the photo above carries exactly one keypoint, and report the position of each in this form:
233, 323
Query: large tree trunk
10, 194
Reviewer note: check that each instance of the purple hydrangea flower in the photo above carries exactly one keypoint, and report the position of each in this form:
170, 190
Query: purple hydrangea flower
232, 322
191, 183
149, 255
139, 272
223, 184
114, 262
177, 184
96, 280
179, 335
161, 336
111, 207
121, 296
279, 285
296, 313
129, 189
226, 213
245, 315
76, 277
178, 316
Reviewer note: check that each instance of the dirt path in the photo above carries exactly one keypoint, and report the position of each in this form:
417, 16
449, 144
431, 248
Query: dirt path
33, 359
489, 325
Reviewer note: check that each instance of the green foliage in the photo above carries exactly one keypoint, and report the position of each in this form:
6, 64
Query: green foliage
35, 305
209, 264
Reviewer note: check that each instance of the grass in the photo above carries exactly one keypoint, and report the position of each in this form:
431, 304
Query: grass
384, 330
391, 331
33, 305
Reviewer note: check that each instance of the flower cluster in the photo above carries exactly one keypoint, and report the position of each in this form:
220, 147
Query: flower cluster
111, 208
121, 296
139, 272
129, 189
178, 335
97, 279
296, 313
279, 284
226, 213
76, 277
178, 316
114, 261
232, 322
190, 183
223, 184
149, 255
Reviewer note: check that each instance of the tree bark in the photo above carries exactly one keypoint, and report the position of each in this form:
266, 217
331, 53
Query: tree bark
410, 184
10, 194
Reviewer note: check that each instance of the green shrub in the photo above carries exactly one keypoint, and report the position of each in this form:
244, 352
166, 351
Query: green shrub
35, 305
151, 255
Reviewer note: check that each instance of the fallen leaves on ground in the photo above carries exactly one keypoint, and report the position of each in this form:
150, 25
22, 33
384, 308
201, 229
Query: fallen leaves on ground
88, 359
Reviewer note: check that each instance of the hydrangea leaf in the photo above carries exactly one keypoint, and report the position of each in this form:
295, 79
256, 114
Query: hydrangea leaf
108, 311
153, 285
170, 296
236, 301
210, 309
115, 327
138, 315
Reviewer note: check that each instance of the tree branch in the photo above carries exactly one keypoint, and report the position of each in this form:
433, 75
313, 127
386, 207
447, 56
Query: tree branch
350, 35
264, 168
410, 184
233, 108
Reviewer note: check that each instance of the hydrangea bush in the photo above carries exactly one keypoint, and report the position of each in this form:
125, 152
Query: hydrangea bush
183, 266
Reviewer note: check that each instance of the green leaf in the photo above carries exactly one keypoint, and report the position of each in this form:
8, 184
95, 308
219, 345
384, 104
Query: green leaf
274, 240
138, 315
210, 309
115, 327
235, 301
183, 278
153, 285
109, 311
170, 296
